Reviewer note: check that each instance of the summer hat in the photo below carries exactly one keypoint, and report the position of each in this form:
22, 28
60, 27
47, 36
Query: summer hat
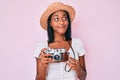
56, 6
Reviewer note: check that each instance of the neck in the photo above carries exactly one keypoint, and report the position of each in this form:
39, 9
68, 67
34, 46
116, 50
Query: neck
59, 37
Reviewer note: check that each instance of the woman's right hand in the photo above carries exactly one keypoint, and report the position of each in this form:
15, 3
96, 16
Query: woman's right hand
44, 57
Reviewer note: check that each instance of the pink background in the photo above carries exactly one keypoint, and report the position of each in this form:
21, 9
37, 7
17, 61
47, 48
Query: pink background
97, 24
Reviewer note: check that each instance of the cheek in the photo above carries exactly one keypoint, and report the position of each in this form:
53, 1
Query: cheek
53, 25
66, 23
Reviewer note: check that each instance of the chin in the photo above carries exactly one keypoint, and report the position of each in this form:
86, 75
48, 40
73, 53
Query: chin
62, 32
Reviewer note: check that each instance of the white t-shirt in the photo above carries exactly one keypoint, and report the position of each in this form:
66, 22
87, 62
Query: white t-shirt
56, 71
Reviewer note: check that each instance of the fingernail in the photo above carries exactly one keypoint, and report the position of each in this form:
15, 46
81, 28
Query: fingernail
53, 60
67, 61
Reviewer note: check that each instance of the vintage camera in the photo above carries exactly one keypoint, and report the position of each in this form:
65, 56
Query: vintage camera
57, 54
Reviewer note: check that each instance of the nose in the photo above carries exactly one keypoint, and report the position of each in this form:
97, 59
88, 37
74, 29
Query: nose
61, 22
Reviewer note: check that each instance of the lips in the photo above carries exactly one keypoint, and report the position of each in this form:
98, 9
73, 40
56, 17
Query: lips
62, 27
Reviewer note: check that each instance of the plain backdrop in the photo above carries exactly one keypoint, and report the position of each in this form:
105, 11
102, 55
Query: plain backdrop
97, 24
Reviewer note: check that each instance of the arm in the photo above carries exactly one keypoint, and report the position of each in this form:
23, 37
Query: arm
42, 64
79, 67
41, 70
81, 71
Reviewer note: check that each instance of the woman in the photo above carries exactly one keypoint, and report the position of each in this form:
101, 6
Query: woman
57, 21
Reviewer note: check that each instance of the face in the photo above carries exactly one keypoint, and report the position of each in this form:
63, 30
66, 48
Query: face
59, 22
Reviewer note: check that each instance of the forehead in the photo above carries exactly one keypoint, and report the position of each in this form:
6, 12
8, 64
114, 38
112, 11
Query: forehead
59, 13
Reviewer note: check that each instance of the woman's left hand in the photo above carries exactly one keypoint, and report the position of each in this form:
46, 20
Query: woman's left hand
74, 64
78, 67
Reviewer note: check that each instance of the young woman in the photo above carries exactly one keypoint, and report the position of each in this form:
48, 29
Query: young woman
57, 21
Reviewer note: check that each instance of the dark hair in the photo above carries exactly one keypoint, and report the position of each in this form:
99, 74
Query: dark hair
50, 31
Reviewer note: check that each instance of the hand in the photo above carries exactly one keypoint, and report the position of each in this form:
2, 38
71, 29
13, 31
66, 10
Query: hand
74, 64
44, 57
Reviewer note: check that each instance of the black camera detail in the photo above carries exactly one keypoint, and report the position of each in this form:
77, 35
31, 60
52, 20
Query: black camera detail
57, 54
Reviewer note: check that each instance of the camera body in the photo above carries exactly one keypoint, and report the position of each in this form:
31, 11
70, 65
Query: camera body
57, 54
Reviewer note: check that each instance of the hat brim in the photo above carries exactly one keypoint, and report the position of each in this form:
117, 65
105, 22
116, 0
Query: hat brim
53, 8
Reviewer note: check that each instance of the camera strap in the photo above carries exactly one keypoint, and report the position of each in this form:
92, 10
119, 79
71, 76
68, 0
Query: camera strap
73, 57
72, 49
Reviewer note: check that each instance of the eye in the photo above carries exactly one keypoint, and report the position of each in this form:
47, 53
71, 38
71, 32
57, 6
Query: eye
65, 18
56, 19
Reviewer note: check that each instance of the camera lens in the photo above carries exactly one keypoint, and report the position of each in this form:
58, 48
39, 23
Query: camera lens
57, 57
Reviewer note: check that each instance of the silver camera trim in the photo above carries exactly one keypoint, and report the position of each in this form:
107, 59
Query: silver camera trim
54, 52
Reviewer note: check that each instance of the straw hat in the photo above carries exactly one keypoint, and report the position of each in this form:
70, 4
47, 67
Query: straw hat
56, 6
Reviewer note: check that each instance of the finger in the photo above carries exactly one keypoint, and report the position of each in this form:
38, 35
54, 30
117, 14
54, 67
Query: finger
74, 68
47, 54
73, 60
43, 55
42, 50
70, 58
76, 62
71, 64
47, 60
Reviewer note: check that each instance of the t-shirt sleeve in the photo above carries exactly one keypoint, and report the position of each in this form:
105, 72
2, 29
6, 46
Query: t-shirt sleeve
38, 49
80, 47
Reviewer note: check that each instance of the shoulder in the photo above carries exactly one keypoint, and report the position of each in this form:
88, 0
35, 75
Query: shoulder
38, 48
42, 44
78, 46
77, 41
